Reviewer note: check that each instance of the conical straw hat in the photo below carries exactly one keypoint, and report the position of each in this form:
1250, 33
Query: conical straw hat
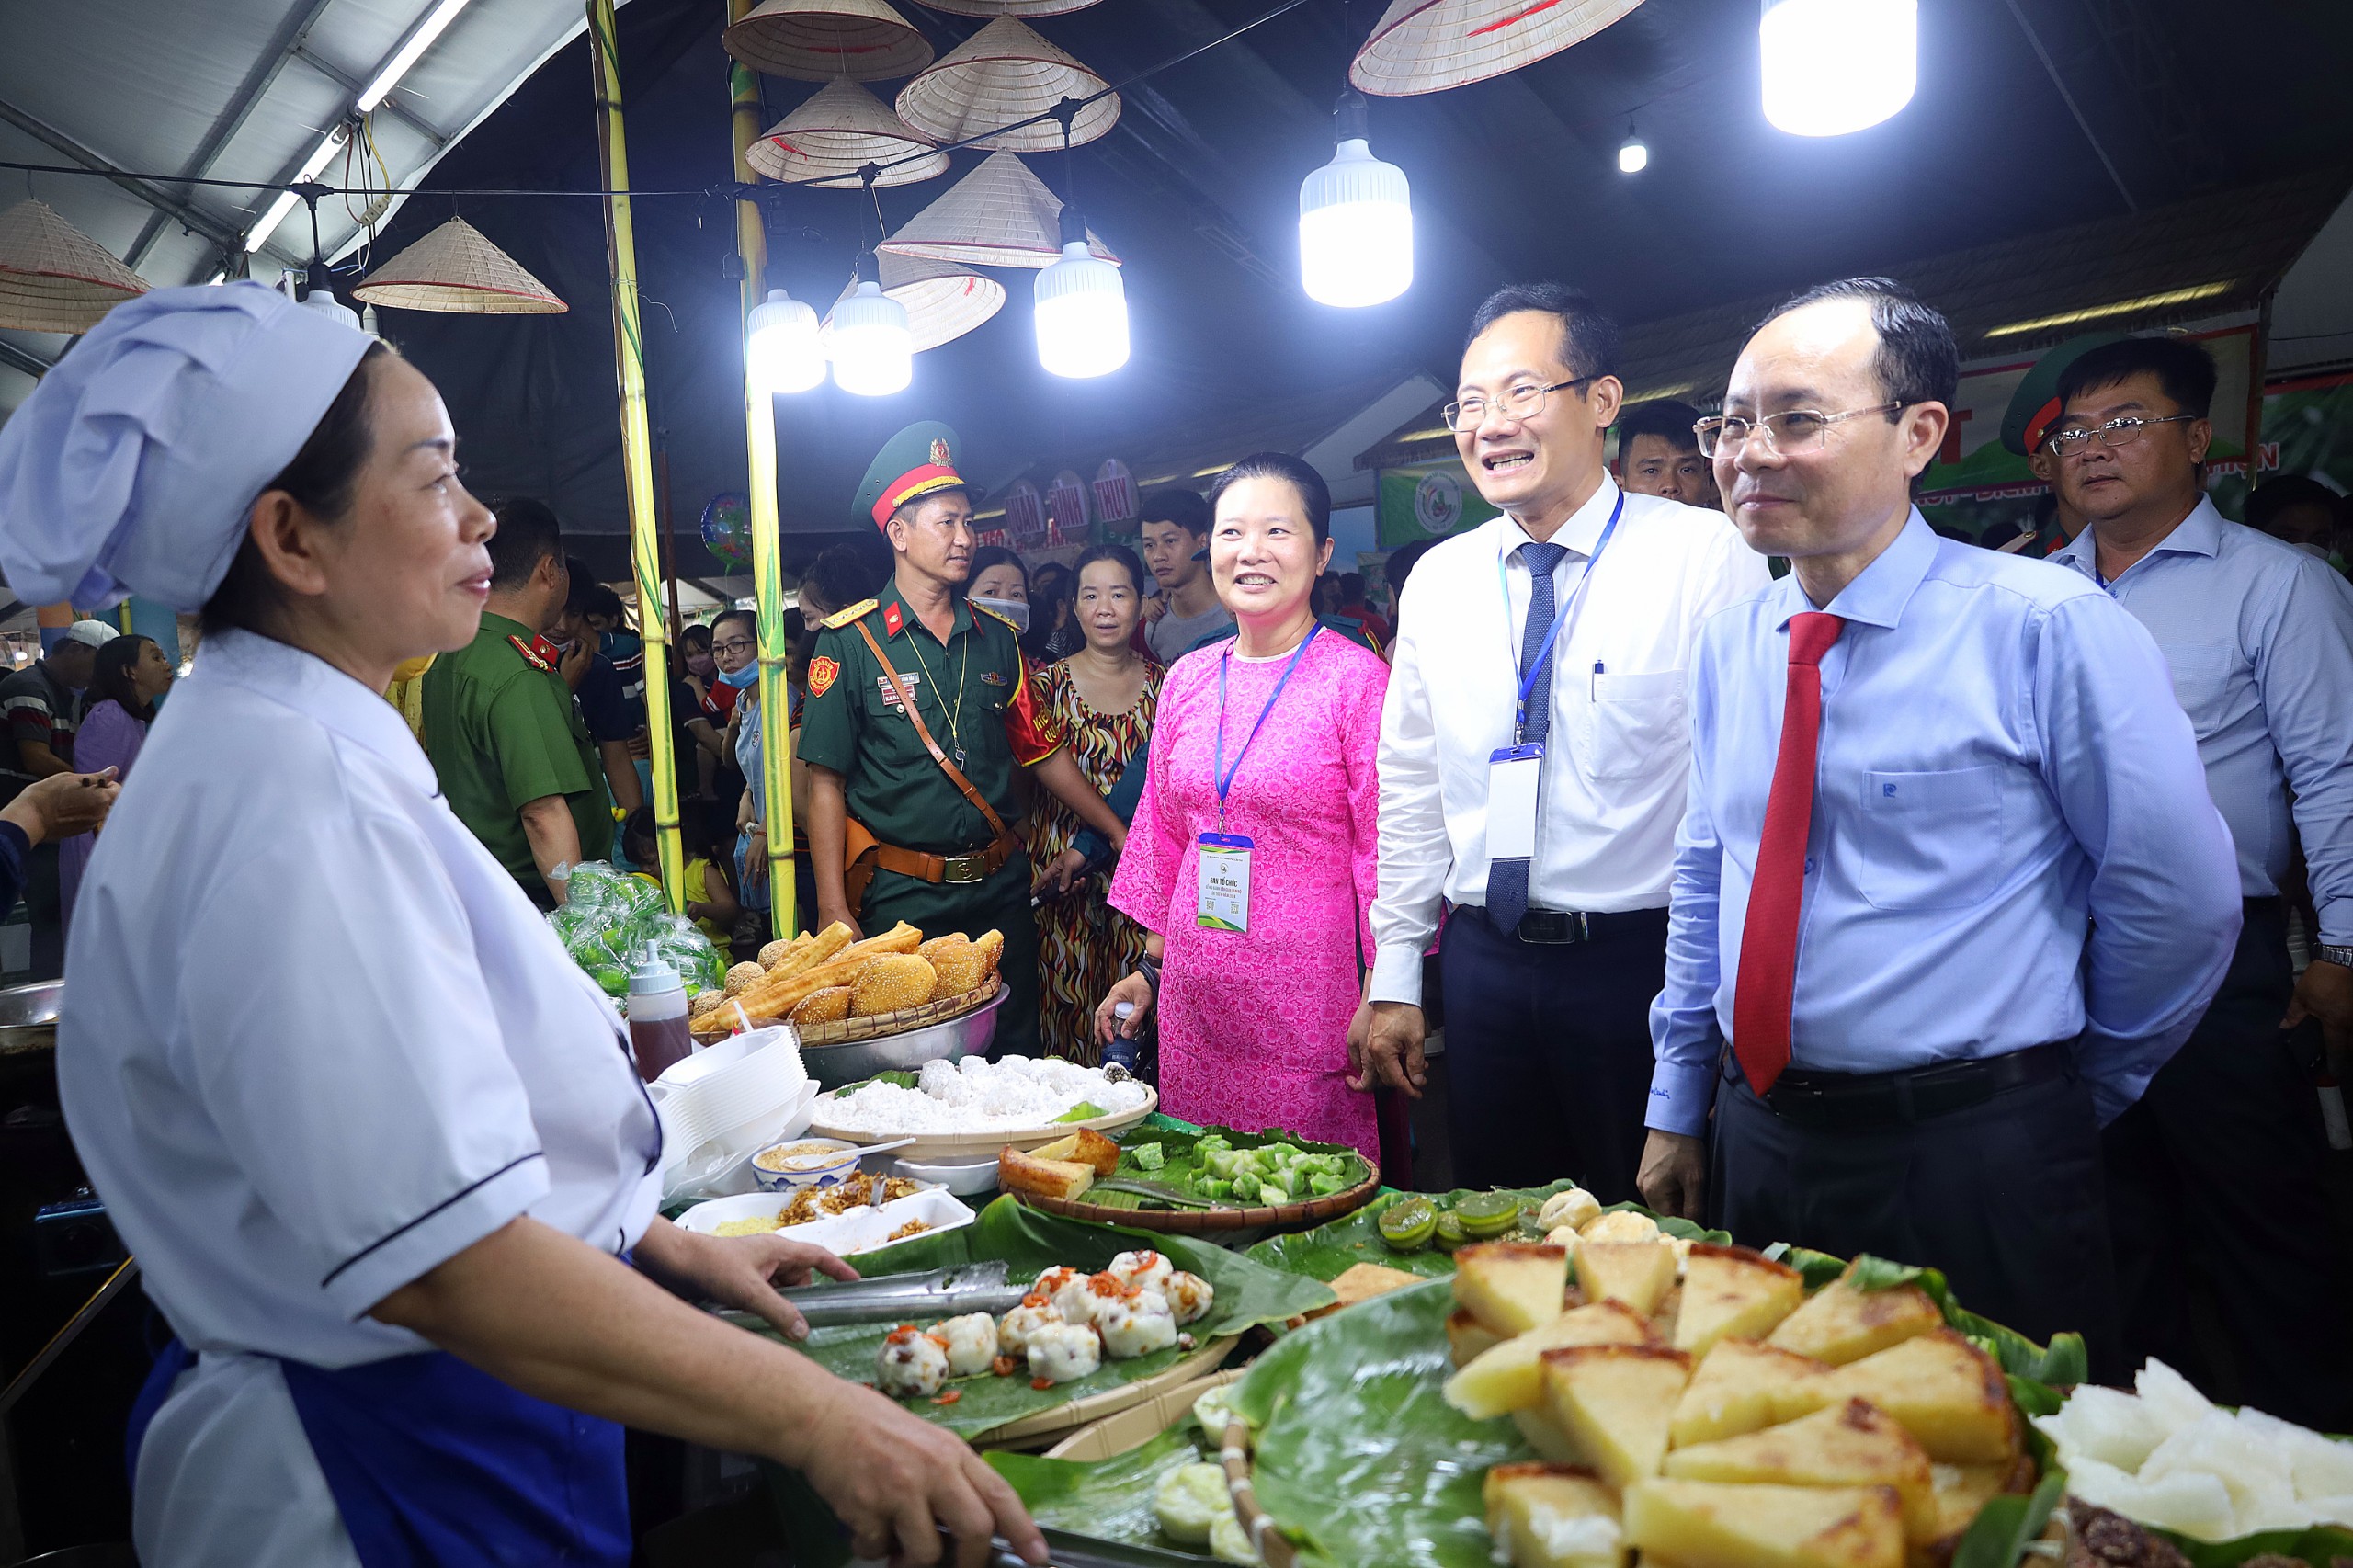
999, 215
455, 269
818, 40
838, 132
944, 301
1010, 7
1427, 46
54, 277
1003, 74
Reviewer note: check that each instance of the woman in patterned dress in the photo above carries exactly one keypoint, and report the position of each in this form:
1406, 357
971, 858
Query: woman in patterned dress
1104, 695
1270, 737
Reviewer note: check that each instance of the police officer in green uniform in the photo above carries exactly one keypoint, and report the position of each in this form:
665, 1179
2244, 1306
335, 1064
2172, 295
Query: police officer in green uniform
505, 737
911, 815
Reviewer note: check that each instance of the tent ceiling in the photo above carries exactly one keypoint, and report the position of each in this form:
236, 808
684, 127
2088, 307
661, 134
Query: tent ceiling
1196, 189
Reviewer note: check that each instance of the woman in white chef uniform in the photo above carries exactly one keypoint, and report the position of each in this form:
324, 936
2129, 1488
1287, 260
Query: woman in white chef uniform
375, 1140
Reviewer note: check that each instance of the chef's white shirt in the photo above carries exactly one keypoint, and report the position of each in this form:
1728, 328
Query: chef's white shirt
314, 1042
1618, 754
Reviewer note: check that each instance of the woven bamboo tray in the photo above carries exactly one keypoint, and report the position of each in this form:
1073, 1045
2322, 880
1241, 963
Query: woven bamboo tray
1274, 1548
718, 1025
1049, 1425
1211, 1221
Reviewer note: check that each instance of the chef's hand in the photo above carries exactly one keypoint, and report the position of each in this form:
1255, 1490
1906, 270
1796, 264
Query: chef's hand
63, 805
1385, 1049
2325, 991
1108, 1024
895, 1481
744, 1271
1674, 1175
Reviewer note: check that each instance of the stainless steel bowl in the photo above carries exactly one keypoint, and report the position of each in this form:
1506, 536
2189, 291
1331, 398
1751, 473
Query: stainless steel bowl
29, 1016
852, 1061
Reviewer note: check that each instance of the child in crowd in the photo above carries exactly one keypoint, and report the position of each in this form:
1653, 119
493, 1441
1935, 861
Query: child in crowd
710, 898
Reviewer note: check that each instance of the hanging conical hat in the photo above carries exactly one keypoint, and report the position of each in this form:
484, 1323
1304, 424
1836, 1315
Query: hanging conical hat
455, 269
819, 40
1003, 74
944, 301
999, 215
1010, 7
54, 277
1427, 46
838, 132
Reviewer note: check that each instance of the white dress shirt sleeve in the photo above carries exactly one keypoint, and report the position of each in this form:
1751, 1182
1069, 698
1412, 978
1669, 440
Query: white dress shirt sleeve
1415, 850
358, 1075
2121, 760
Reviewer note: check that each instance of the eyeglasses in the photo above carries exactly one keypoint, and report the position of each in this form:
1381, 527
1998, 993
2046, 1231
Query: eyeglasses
1525, 401
735, 646
1792, 430
2114, 435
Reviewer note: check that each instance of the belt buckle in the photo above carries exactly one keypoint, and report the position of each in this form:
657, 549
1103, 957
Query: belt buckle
960, 869
1553, 927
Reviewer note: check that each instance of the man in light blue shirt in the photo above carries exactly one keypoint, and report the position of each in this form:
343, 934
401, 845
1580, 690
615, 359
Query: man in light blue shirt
2219, 1172
1913, 964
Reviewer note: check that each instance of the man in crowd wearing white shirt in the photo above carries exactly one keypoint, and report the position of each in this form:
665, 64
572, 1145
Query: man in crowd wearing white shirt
1532, 761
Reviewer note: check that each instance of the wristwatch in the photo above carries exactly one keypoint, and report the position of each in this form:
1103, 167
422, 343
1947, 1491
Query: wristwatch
2325, 953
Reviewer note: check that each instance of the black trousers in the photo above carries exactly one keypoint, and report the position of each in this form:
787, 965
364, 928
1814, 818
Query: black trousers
1548, 1052
2005, 1198
2218, 1171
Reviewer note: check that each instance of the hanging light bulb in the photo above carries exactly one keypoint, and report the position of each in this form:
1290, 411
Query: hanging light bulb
1633, 157
1835, 66
872, 349
1356, 221
1082, 312
781, 353
320, 297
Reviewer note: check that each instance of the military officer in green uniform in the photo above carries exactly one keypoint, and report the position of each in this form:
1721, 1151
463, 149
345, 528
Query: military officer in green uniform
911, 814
505, 737
2026, 423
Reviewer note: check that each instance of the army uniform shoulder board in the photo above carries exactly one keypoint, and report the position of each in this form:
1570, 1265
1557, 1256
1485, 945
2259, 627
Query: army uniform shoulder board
995, 614
842, 617
538, 653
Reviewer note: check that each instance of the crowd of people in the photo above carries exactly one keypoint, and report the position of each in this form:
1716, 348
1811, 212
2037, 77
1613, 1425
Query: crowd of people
1776, 860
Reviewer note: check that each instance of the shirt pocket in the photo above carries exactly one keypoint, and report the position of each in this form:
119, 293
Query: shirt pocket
1931, 840
1633, 727
2201, 681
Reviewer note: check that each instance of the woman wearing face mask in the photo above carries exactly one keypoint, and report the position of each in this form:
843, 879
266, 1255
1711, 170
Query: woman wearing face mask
1104, 696
1002, 583
1252, 856
377, 1142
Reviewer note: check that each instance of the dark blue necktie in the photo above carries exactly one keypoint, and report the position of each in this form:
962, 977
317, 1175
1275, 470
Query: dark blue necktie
1507, 879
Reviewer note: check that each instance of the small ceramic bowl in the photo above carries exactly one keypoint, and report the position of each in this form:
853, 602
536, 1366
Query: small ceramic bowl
805, 1162
964, 1180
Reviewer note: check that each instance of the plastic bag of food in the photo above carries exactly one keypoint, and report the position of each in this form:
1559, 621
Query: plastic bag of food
674, 938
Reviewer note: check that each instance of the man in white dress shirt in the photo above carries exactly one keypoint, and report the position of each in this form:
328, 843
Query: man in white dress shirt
1556, 858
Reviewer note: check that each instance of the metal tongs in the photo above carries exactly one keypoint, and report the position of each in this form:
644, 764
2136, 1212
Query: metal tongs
901, 1297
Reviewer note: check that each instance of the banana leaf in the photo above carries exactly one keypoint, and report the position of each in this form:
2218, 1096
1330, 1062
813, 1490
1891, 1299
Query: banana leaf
1032, 1241
1105, 1499
1329, 1251
1359, 1457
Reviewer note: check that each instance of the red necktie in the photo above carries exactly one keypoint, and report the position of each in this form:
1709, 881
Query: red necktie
1769, 942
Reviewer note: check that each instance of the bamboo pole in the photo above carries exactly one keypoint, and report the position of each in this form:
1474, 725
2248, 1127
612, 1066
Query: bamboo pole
767, 574
637, 468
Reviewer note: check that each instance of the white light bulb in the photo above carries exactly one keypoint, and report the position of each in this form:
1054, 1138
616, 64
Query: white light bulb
1835, 66
1356, 229
1081, 314
873, 350
1633, 157
781, 353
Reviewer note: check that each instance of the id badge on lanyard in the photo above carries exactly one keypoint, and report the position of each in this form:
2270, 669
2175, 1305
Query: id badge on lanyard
1513, 771
1223, 900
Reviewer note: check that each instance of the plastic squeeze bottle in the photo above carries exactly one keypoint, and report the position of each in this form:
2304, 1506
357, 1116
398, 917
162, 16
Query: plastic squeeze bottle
657, 1017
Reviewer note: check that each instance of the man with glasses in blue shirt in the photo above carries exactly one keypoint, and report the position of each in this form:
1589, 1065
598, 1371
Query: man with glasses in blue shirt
2218, 1173
1948, 889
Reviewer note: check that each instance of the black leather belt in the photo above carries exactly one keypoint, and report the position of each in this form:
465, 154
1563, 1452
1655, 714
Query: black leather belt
1567, 927
1858, 1101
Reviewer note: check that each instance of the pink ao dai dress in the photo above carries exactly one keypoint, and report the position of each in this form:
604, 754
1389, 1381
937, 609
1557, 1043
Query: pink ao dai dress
1254, 1025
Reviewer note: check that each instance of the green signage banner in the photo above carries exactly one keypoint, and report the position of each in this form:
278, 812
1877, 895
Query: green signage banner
1426, 501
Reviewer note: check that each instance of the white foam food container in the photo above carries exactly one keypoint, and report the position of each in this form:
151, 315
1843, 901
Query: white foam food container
858, 1229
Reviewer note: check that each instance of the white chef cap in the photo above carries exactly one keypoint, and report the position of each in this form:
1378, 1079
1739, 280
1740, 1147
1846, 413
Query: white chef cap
133, 466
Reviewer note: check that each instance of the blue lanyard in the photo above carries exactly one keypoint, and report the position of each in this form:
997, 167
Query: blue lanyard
1565, 618
1223, 775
